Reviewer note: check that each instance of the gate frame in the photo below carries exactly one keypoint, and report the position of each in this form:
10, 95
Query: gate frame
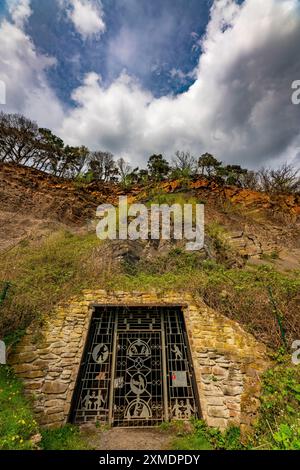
93, 309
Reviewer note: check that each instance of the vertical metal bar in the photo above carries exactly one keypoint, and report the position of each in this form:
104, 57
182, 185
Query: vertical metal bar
113, 369
164, 368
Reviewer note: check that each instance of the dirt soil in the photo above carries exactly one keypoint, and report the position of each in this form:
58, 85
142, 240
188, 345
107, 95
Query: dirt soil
128, 439
34, 204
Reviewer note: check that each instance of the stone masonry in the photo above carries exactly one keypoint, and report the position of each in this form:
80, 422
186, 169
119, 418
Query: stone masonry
228, 362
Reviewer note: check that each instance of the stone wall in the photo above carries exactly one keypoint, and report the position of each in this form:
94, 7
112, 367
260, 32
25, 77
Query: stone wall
228, 361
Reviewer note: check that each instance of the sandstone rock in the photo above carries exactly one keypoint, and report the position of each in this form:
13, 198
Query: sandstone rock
217, 412
217, 370
54, 387
212, 400
219, 423
32, 374
232, 390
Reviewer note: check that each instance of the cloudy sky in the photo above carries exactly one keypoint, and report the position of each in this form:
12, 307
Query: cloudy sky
138, 77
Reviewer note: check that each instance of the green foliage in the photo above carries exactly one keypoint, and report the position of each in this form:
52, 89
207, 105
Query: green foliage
172, 198
158, 167
236, 293
17, 424
191, 442
208, 164
203, 437
279, 425
65, 438
287, 437
227, 440
43, 273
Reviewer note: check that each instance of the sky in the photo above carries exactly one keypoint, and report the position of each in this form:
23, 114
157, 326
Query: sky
137, 77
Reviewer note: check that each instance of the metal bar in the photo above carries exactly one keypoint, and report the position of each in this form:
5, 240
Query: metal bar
113, 369
164, 369
141, 305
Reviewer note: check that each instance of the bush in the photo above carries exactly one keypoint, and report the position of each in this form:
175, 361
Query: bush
278, 427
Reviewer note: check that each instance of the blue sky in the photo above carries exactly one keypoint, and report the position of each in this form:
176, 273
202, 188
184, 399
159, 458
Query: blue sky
137, 76
149, 28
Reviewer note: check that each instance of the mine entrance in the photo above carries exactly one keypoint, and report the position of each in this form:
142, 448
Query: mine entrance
136, 369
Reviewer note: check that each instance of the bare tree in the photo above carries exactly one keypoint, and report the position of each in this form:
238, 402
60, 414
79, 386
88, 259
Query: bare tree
284, 180
124, 170
250, 180
185, 162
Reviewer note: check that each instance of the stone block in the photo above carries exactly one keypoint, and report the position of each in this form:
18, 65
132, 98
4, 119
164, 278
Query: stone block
54, 387
219, 423
219, 371
217, 412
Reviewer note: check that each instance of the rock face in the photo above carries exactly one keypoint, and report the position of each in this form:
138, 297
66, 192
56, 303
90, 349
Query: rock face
247, 245
227, 361
240, 196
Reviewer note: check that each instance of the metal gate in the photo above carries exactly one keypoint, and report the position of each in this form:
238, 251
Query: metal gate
136, 369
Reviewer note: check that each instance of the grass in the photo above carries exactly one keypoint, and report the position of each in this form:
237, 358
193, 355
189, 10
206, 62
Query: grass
66, 438
173, 198
43, 273
192, 442
17, 424
236, 293
201, 437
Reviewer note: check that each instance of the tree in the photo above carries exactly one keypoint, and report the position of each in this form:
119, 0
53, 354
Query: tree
250, 180
74, 159
184, 163
124, 170
158, 167
103, 166
50, 154
233, 174
18, 138
208, 164
284, 180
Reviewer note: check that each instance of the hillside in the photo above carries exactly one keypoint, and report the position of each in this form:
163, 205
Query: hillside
248, 272
32, 201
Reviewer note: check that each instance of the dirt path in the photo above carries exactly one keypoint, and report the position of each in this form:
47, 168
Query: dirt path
128, 439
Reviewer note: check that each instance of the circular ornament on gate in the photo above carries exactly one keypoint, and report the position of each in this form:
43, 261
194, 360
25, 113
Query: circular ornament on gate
100, 353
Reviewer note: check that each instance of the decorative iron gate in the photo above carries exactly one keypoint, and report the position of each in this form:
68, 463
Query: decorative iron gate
136, 369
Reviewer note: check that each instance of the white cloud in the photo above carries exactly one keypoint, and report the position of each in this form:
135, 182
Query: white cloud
87, 16
20, 11
238, 108
23, 70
